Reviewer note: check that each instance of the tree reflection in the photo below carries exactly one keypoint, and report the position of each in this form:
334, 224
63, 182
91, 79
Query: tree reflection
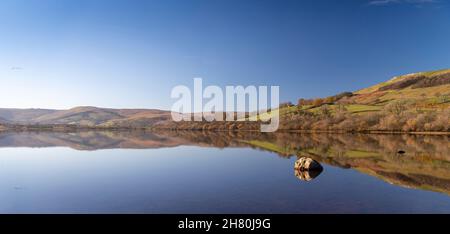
424, 161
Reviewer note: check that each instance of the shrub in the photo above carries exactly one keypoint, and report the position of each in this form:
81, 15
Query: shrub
396, 108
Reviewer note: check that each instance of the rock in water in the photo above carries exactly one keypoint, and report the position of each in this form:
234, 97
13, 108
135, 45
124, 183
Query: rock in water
307, 164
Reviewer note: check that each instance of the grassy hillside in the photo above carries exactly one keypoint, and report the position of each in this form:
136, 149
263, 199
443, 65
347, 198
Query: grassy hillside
426, 87
418, 102
407, 103
413, 80
412, 102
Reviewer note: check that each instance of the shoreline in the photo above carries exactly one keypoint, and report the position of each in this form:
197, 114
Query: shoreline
127, 129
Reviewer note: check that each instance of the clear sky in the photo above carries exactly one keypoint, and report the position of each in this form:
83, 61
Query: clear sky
130, 53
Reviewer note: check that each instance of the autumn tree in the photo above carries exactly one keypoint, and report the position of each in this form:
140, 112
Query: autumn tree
317, 102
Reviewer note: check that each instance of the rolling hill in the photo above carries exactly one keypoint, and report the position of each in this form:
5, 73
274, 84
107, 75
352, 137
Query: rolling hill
24, 116
84, 116
412, 102
426, 90
418, 102
423, 86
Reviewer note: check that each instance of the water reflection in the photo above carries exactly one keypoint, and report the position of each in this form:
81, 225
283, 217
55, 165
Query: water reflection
424, 161
307, 175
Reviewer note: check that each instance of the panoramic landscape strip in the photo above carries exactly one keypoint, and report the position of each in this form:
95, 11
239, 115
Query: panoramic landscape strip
413, 103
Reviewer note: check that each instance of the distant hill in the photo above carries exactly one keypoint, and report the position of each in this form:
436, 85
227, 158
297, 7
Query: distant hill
84, 116
4, 121
412, 102
22, 115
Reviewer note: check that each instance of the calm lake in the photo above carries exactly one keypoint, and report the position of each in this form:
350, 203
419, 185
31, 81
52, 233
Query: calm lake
200, 172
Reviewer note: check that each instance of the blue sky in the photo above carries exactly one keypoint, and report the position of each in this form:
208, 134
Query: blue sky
64, 53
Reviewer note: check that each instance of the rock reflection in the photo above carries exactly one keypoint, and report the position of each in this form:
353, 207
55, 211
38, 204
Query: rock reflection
307, 169
307, 175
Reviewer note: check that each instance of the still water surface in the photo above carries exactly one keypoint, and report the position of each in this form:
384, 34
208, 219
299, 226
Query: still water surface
141, 172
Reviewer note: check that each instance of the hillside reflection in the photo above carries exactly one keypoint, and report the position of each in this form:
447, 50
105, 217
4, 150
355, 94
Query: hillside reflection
424, 165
